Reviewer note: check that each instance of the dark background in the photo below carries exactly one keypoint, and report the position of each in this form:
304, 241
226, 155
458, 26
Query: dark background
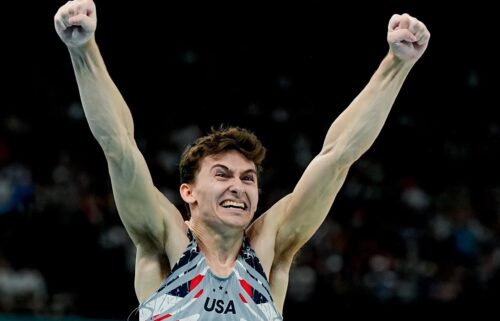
285, 72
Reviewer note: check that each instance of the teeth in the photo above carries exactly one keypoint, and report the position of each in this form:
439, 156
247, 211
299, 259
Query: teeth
233, 204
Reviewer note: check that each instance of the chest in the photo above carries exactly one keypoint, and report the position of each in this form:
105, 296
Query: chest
196, 290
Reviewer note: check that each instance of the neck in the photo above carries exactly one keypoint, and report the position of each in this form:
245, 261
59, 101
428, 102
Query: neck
220, 249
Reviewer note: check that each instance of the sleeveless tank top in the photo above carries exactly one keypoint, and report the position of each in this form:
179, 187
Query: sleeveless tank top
191, 292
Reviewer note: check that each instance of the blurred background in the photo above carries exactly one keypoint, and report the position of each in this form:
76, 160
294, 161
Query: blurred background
416, 225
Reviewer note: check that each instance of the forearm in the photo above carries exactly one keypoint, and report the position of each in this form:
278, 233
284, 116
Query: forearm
105, 109
355, 130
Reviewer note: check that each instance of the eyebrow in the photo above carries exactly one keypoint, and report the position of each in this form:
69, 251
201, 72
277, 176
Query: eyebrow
250, 170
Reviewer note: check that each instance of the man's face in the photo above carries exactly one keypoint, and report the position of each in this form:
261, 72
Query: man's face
225, 190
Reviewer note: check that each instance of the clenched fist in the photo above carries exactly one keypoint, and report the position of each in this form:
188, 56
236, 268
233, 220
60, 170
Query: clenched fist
76, 22
407, 37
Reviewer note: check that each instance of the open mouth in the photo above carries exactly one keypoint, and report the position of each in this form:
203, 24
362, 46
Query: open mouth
234, 204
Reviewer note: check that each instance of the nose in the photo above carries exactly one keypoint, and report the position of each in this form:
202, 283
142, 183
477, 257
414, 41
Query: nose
235, 189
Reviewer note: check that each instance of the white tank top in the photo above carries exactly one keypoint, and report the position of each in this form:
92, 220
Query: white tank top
192, 292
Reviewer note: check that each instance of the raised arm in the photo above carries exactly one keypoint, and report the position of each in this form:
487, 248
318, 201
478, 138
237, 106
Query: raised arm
153, 223
301, 213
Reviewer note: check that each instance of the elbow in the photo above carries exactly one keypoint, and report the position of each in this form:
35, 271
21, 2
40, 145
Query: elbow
114, 147
341, 155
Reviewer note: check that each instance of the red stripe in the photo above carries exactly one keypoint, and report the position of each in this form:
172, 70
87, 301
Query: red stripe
158, 318
195, 281
247, 287
242, 298
198, 294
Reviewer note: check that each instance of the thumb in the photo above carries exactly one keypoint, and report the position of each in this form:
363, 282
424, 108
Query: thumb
87, 23
401, 35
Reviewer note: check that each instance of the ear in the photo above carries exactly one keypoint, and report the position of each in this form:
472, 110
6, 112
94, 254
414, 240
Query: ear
186, 192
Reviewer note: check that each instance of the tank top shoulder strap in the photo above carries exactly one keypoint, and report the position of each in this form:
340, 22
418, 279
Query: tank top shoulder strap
250, 257
190, 235
245, 246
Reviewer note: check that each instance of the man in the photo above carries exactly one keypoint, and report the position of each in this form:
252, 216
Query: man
216, 265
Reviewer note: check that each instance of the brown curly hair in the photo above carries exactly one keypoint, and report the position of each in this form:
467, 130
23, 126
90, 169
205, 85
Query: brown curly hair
218, 141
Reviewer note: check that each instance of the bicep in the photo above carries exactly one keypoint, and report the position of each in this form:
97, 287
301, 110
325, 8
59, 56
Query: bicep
146, 213
309, 203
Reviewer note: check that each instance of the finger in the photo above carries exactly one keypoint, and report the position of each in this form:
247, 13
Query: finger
401, 35
60, 25
404, 22
91, 10
394, 22
79, 10
66, 11
413, 25
77, 7
64, 17
425, 38
83, 21
71, 9
85, 7
421, 33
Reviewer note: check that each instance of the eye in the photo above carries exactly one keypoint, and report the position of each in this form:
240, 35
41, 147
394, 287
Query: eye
220, 174
248, 178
